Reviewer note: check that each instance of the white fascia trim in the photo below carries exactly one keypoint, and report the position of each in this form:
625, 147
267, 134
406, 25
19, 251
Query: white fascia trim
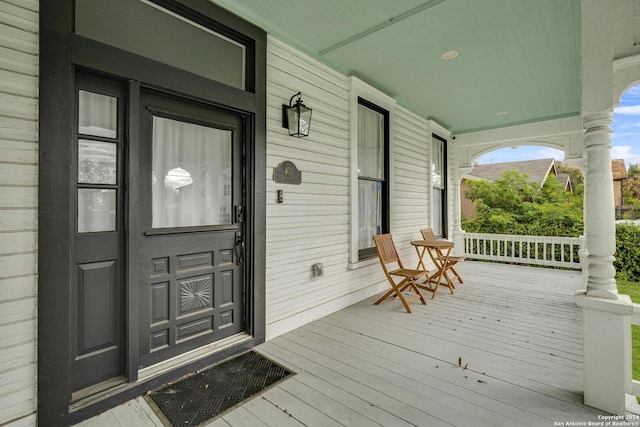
626, 61
438, 129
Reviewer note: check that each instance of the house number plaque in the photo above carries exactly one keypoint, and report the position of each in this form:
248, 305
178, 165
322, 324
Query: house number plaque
287, 173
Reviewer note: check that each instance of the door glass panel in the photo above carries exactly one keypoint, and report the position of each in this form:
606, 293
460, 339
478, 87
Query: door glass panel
191, 174
369, 212
97, 162
96, 210
97, 114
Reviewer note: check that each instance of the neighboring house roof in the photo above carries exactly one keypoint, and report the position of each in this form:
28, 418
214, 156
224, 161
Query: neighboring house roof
565, 180
619, 169
538, 170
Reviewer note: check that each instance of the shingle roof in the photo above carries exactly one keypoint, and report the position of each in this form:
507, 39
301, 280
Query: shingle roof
565, 180
619, 169
537, 169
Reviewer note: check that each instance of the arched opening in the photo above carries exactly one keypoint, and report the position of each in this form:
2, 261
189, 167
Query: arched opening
512, 173
523, 204
625, 155
517, 153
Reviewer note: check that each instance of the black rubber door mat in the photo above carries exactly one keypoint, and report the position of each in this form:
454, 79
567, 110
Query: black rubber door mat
209, 393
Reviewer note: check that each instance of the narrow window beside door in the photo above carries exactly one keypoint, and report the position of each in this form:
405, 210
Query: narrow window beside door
97, 162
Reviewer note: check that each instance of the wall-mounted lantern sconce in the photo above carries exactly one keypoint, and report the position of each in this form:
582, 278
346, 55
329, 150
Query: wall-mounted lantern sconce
296, 118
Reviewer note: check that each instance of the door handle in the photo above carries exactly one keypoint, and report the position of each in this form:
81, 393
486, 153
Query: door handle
239, 247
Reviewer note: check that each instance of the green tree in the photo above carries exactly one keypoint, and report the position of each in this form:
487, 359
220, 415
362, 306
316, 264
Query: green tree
577, 178
514, 205
631, 186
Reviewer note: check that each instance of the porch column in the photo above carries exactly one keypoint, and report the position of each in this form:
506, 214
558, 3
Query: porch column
599, 215
456, 215
606, 315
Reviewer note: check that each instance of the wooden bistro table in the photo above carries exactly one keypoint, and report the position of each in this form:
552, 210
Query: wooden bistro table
439, 251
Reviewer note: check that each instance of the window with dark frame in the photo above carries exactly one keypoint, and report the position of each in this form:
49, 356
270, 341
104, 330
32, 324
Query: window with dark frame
439, 186
373, 180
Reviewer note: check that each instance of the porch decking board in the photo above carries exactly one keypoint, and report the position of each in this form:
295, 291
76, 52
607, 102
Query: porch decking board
545, 329
451, 345
405, 383
515, 328
437, 374
413, 408
265, 408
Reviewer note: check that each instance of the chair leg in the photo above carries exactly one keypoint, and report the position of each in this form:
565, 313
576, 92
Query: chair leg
385, 296
457, 275
397, 291
404, 302
417, 291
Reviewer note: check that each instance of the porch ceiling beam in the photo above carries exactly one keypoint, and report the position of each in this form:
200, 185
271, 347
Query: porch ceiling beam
529, 132
381, 26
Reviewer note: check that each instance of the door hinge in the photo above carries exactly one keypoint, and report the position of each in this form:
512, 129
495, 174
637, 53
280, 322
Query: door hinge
238, 213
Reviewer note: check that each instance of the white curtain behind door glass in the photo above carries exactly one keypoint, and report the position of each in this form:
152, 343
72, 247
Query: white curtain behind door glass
191, 174
370, 165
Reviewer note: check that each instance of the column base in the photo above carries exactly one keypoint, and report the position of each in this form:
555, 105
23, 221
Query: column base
458, 241
607, 351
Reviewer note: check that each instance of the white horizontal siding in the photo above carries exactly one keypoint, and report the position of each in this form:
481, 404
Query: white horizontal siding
411, 178
312, 225
18, 209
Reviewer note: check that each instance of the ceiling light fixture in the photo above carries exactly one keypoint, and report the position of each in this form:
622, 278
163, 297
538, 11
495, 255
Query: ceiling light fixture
501, 113
449, 55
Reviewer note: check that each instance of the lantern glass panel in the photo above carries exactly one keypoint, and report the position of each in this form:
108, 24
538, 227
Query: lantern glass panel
305, 120
292, 117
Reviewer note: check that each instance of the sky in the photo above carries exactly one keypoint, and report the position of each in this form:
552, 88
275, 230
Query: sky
625, 142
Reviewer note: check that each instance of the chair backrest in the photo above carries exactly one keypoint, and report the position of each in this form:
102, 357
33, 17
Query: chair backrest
428, 234
386, 250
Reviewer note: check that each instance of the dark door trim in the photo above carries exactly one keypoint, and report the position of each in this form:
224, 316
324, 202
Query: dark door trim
61, 52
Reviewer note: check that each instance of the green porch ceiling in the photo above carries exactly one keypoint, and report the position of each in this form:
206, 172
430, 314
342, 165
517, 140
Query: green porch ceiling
522, 57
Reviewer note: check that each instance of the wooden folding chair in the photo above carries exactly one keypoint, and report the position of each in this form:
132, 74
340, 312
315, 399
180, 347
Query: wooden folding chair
388, 256
428, 234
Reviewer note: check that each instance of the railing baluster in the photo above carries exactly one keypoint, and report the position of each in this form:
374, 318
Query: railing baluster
524, 249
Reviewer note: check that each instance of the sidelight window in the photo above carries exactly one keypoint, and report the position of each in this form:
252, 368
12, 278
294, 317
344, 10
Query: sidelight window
97, 148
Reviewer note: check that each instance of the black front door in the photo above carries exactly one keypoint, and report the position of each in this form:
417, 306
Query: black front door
191, 242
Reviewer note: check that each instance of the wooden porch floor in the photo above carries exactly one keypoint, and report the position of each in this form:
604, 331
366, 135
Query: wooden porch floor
504, 350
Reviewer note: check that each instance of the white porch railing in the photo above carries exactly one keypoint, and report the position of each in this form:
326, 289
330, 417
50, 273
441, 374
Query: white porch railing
537, 250
635, 320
